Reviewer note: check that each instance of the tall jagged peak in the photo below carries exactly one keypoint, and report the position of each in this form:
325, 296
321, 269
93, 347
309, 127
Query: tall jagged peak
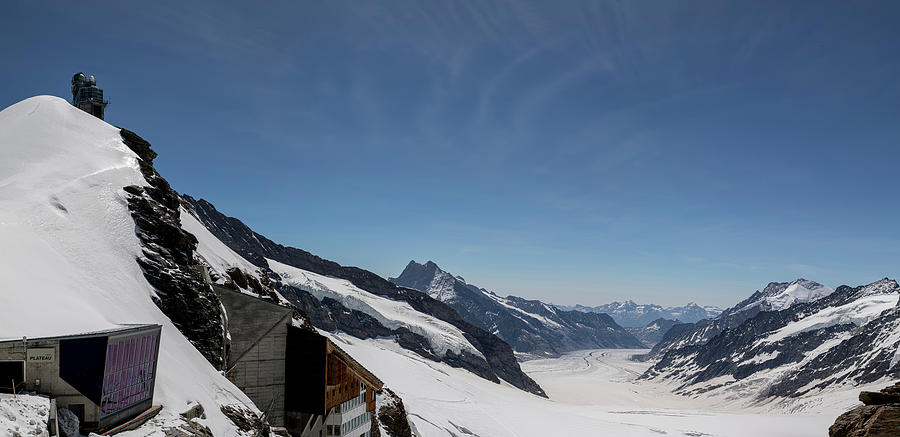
428, 278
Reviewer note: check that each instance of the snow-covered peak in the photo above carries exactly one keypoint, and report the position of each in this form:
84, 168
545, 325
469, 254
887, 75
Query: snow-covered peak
879, 287
778, 296
430, 279
798, 291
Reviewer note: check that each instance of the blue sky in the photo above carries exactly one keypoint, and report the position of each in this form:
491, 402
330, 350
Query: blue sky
570, 151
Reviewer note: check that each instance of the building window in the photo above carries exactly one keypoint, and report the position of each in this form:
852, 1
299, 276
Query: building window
128, 375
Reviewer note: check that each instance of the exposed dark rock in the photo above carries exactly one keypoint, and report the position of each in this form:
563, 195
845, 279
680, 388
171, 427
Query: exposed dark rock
375, 428
168, 257
238, 277
195, 412
393, 416
189, 428
879, 398
881, 418
138, 145
244, 419
255, 248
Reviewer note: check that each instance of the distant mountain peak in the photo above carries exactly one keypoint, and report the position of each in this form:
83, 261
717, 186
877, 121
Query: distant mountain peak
635, 315
530, 326
781, 295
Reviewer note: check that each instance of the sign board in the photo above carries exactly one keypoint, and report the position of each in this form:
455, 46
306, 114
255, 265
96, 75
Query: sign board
41, 355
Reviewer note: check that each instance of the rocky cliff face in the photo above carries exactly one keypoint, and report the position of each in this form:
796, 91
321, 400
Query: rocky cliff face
168, 257
878, 417
500, 361
849, 336
529, 326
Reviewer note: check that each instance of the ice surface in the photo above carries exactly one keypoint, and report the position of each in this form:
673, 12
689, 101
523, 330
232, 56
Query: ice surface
592, 393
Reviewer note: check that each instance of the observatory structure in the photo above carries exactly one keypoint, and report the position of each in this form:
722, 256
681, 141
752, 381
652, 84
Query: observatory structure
87, 96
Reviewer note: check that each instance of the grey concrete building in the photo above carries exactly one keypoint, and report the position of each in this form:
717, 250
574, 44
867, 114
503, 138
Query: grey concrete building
255, 357
106, 378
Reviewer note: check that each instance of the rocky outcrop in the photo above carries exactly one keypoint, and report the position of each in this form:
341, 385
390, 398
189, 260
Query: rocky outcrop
262, 287
393, 415
168, 257
501, 362
529, 326
878, 417
244, 419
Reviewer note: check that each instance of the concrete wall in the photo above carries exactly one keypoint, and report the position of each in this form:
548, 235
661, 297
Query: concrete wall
48, 374
256, 357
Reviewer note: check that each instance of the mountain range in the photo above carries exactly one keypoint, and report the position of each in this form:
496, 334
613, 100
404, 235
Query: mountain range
93, 237
302, 278
789, 340
653, 332
634, 315
531, 327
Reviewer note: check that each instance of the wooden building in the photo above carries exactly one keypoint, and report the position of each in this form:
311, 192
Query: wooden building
339, 392
302, 381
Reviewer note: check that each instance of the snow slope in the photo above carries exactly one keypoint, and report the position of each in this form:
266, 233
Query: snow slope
209, 248
390, 313
69, 247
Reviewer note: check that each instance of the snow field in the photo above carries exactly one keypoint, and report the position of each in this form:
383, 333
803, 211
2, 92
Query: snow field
590, 395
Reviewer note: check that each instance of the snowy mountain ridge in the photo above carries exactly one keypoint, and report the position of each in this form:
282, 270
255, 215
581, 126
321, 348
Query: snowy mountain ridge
778, 296
773, 296
837, 339
360, 303
634, 315
533, 328
82, 252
